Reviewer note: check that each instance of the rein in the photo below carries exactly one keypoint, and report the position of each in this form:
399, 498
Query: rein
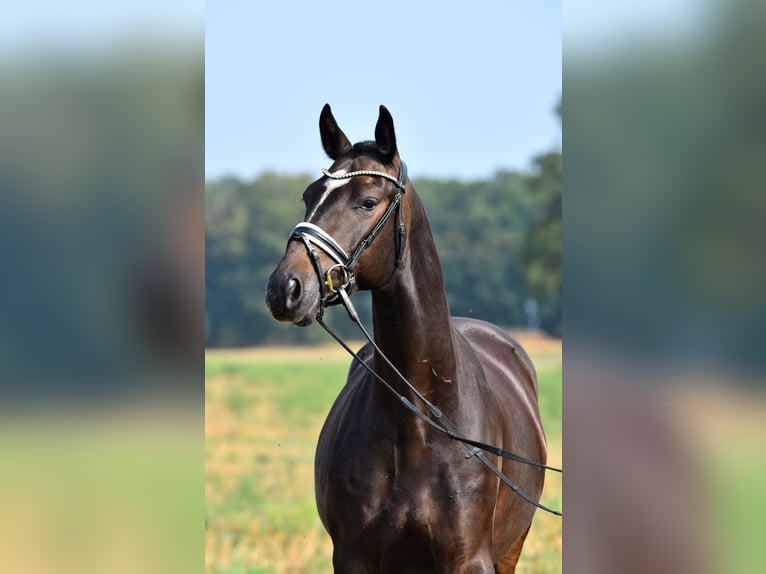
448, 428
314, 236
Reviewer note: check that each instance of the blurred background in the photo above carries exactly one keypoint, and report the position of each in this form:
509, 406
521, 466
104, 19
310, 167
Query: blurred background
664, 279
101, 324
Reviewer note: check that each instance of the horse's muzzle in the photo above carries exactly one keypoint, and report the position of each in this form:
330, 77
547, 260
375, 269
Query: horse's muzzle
292, 298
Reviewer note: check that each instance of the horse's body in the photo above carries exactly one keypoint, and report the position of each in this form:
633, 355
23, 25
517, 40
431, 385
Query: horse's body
395, 495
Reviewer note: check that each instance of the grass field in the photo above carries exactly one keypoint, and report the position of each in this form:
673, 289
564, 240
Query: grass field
264, 409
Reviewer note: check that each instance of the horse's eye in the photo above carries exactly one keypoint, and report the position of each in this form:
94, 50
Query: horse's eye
369, 203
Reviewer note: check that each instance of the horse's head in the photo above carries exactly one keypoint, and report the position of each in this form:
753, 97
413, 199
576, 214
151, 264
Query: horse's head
357, 200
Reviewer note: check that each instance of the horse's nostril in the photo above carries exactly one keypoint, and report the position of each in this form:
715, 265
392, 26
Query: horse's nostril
293, 293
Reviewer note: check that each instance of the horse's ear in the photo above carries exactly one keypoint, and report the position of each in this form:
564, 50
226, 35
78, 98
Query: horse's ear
385, 138
334, 140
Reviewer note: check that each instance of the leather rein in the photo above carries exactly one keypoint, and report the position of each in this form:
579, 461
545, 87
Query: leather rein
314, 237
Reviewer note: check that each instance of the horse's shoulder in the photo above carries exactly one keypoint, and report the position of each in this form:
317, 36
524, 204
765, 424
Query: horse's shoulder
491, 342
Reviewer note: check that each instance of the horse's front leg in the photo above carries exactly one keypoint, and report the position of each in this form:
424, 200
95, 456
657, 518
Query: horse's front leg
346, 560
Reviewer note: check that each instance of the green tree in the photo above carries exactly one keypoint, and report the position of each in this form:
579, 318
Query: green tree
498, 241
542, 248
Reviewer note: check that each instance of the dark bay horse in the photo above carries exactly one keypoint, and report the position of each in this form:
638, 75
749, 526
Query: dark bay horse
394, 495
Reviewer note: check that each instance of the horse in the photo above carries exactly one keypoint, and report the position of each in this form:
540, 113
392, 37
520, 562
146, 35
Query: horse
393, 494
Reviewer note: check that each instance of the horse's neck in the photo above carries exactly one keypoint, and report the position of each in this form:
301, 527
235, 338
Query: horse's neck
411, 315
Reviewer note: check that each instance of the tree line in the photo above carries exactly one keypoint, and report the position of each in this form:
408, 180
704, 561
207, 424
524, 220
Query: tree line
499, 242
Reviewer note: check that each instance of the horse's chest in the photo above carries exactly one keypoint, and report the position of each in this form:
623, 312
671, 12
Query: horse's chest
389, 492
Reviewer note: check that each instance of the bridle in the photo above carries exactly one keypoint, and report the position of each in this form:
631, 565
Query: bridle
314, 237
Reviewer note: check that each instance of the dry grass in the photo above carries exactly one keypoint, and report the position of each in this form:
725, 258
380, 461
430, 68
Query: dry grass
264, 409
536, 344
277, 354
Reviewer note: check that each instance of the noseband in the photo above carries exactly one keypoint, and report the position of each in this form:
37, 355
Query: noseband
314, 237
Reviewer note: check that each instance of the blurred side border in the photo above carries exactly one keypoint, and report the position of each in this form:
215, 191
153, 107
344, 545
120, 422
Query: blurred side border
102, 251
664, 162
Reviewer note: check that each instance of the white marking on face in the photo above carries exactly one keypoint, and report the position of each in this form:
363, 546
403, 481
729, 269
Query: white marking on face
329, 186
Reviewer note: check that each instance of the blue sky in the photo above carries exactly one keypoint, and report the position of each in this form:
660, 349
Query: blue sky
472, 87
